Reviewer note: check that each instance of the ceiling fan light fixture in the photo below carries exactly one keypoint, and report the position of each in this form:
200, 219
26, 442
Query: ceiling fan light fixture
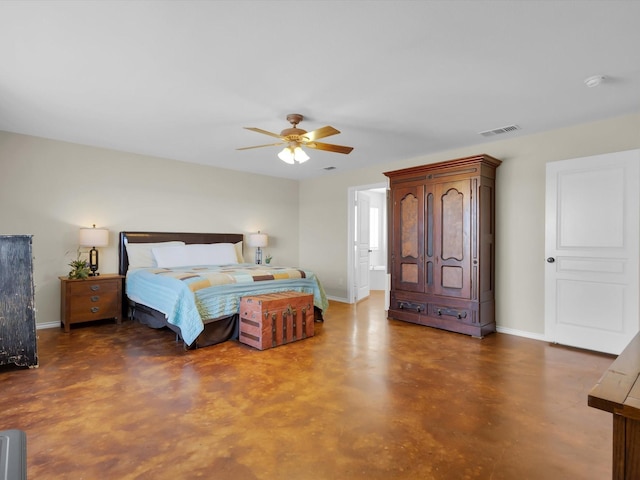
286, 155
292, 154
299, 155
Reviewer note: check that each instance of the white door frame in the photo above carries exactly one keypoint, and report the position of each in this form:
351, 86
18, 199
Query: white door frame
351, 209
362, 246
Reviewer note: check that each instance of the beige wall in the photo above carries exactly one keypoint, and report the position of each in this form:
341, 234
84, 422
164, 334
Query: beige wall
50, 189
47, 189
520, 194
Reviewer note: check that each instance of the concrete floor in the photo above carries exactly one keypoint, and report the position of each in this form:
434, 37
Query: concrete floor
365, 398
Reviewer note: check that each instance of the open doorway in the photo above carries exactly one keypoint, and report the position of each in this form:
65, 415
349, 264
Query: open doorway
367, 240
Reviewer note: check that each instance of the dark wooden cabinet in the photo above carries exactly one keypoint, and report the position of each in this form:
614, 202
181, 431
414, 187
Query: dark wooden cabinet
442, 251
17, 303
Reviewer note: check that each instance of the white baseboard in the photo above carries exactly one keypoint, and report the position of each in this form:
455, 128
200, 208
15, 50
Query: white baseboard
521, 333
506, 330
337, 299
42, 326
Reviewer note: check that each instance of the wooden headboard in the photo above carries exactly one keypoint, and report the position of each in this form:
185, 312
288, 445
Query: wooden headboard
152, 237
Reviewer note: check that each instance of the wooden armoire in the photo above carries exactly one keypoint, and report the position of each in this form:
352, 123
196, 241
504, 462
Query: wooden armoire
441, 244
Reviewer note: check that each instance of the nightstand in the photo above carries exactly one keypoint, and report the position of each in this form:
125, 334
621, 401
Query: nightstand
96, 298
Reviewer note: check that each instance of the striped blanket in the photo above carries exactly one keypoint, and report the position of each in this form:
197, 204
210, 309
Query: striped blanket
189, 295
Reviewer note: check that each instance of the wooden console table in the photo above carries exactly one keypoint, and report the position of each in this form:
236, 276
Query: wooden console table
618, 392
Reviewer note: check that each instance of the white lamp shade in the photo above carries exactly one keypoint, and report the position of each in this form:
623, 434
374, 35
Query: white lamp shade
258, 240
94, 237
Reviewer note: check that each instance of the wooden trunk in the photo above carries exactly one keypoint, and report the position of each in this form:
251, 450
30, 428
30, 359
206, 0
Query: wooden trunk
274, 319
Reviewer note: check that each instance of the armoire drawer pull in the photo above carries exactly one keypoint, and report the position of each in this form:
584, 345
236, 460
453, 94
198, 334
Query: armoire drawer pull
95, 298
95, 309
450, 312
95, 288
411, 306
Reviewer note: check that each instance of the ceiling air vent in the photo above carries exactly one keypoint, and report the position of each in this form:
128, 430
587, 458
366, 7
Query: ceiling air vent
498, 131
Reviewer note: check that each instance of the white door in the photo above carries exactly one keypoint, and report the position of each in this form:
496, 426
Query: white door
362, 246
592, 258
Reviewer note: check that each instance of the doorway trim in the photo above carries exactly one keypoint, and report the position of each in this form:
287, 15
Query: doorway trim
351, 219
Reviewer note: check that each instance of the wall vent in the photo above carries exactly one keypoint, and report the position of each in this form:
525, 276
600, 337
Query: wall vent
329, 168
498, 131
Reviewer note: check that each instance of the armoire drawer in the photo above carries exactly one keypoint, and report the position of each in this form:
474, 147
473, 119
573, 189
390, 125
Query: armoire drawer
409, 306
451, 313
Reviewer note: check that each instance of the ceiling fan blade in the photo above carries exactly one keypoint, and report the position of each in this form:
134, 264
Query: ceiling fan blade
259, 130
329, 147
321, 133
260, 146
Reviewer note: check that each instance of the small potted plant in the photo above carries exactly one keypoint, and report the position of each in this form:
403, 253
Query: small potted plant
79, 268
268, 258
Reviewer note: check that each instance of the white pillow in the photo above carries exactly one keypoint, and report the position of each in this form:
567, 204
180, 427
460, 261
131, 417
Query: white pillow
141, 256
195, 254
239, 255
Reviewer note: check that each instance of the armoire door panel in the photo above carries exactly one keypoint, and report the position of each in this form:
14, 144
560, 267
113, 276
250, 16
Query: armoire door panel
452, 277
429, 279
430, 258
484, 255
407, 267
452, 225
453, 234
409, 273
409, 225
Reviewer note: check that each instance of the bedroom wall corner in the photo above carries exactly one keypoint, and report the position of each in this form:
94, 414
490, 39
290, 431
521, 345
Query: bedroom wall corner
43, 192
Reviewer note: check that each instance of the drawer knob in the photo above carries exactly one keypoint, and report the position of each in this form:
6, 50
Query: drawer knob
95, 309
95, 298
95, 288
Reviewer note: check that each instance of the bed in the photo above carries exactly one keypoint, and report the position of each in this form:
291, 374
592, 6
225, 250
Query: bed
199, 297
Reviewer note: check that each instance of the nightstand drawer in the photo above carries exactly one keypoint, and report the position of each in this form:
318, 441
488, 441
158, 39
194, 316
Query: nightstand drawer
88, 289
98, 306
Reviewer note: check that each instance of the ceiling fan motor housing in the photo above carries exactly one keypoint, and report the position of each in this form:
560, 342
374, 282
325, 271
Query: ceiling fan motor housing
294, 133
294, 118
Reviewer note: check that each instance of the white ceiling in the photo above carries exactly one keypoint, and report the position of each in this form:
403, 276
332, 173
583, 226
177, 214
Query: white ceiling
399, 79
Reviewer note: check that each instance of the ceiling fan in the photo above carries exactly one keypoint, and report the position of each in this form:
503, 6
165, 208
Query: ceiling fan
293, 138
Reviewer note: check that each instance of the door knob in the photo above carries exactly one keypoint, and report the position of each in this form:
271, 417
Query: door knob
551, 260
